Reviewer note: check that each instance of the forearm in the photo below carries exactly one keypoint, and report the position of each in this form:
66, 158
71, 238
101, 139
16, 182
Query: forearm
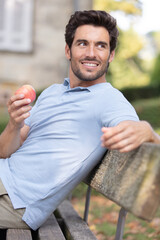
10, 141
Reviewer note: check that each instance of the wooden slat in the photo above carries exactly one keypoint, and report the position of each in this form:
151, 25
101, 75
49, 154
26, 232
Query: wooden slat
132, 180
18, 234
74, 227
50, 230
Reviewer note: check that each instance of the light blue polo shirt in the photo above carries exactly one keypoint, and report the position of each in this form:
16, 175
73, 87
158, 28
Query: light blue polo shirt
62, 147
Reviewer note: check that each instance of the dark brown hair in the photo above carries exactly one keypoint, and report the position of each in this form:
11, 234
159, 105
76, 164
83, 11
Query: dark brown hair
92, 17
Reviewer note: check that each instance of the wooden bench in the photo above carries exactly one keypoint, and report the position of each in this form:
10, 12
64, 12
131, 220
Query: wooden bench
65, 223
132, 180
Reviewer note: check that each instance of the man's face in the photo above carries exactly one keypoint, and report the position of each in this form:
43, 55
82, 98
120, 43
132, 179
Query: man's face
90, 53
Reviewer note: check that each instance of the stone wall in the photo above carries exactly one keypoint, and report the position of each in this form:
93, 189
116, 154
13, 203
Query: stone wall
46, 64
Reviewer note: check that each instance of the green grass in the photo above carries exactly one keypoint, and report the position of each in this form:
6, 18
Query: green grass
106, 229
138, 236
103, 216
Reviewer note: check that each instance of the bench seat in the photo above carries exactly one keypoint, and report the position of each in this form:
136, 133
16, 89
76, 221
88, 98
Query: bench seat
64, 224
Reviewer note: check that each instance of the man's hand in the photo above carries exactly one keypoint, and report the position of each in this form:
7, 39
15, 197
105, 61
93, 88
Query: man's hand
18, 110
128, 135
15, 132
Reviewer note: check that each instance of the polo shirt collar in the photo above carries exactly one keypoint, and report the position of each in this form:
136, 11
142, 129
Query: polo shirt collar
69, 89
90, 89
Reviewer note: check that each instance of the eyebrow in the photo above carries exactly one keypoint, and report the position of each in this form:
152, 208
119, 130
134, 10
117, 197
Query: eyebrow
81, 40
99, 42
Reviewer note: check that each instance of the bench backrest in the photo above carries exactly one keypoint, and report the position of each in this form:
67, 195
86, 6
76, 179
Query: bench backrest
132, 180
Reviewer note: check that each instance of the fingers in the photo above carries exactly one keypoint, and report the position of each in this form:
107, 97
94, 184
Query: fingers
18, 100
18, 109
114, 136
124, 137
120, 142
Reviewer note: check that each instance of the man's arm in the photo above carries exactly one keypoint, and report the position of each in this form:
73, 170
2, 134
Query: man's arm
128, 135
15, 132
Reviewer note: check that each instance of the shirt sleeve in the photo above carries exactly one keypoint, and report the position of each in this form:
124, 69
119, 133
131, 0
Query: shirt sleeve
117, 110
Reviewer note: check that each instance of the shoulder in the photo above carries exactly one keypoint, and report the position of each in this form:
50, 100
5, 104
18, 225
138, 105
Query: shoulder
51, 88
49, 91
112, 107
113, 91
106, 93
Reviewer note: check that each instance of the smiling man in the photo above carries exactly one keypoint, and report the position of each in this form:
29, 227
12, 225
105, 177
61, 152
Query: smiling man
89, 55
45, 152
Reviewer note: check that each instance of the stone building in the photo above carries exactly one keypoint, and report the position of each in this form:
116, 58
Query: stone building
32, 42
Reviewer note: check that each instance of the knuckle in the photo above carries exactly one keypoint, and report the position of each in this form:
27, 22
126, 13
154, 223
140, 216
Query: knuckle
116, 139
12, 115
120, 144
22, 110
11, 98
14, 104
9, 109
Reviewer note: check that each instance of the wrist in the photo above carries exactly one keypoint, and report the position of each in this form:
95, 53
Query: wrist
152, 136
156, 138
13, 127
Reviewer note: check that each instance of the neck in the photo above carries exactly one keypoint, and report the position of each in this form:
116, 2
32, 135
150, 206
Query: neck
76, 82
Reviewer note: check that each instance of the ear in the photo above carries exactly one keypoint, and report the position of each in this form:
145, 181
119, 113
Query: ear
112, 56
67, 52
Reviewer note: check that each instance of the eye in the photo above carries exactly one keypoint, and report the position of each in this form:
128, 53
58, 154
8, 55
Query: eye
101, 45
82, 44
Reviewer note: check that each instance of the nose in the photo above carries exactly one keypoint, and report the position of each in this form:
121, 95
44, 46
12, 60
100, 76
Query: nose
90, 51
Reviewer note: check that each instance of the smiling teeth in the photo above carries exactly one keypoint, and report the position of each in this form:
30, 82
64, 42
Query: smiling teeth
91, 64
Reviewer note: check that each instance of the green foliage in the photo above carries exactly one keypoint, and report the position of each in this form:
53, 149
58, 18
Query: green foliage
155, 75
132, 7
129, 48
146, 92
156, 40
126, 70
3, 118
149, 110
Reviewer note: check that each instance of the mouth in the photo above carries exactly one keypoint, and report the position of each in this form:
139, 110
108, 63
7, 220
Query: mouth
89, 63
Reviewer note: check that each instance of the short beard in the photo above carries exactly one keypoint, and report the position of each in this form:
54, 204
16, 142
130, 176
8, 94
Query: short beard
82, 76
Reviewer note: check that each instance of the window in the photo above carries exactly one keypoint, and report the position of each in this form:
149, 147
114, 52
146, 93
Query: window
16, 23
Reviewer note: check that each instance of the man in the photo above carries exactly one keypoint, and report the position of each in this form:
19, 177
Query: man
45, 153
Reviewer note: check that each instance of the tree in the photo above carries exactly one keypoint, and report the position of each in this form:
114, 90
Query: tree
126, 69
155, 73
132, 7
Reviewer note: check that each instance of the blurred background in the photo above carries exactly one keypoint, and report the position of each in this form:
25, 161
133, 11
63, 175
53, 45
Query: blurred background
32, 52
32, 48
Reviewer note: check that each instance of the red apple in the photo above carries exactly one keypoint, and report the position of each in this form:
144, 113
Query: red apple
28, 92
